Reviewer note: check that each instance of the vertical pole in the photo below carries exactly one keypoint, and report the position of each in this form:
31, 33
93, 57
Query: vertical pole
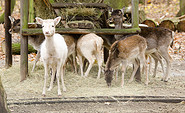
135, 15
135, 24
8, 36
24, 40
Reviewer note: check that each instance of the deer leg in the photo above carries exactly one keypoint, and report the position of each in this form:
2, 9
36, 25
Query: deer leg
157, 58
46, 69
143, 64
52, 78
74, 62
117, 71
123, 68
59, 72
36, 60
136, 65
99, 58
167, 57
62, 79
80, 63
91, 61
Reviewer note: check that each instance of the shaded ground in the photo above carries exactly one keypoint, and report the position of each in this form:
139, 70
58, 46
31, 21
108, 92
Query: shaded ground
121, 107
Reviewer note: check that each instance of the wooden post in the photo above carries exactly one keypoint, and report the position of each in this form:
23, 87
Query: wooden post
135, 14
24, 40
8, 36
135, 24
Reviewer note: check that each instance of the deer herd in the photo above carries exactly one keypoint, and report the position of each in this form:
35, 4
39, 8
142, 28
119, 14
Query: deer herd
55, 50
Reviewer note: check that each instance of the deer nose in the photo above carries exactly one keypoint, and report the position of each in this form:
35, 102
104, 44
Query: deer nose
47, 32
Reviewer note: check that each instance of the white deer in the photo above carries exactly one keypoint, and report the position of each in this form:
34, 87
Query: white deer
90, 46
53, 52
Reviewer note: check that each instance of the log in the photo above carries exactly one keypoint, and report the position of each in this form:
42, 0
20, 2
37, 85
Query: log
150, 23
168, 24
3, 100
181, 26
16, 48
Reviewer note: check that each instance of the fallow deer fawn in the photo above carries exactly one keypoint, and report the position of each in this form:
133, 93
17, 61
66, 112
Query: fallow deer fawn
90, 46
130, 49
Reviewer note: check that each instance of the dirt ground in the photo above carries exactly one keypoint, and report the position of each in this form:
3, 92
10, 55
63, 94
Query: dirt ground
122, 107
78, 86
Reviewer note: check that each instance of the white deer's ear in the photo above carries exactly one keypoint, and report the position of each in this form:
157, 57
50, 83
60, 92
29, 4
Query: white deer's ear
39, 20
12, 19
57, 20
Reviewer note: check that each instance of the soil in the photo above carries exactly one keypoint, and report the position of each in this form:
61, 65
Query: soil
114, 107
77, 86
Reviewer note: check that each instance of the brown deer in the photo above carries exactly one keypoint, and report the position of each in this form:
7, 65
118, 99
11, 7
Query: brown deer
158, 41
36, 41
90, 46
130, 49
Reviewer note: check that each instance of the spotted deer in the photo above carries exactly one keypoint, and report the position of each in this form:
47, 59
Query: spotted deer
158, 41
36, 41
131, 49
90, 46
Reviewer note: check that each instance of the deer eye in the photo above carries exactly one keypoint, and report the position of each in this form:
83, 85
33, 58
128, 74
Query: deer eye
52, 26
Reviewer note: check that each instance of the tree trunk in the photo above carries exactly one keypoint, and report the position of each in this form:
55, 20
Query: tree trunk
12, 7
3, 101
182, 8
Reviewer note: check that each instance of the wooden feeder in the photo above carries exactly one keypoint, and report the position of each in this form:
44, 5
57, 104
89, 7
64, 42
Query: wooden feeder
25, 31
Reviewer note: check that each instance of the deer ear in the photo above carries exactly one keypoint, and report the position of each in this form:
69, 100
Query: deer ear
39, 20
57, 20
12, 19
122, 10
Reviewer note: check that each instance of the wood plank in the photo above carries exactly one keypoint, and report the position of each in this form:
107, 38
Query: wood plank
135, 16
38, 31
24, 40
8, 36
91, 5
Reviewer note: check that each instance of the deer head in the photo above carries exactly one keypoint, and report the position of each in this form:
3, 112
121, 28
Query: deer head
15, 25
48, 26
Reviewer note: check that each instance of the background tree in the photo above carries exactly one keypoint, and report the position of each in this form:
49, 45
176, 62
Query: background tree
12, 7
182, 8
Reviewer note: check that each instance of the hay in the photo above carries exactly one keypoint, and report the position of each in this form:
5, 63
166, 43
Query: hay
80, 11
78, 86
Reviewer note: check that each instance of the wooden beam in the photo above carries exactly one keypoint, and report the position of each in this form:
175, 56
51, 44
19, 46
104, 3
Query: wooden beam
24, 40
8, 36
135, 24
91, 5
135, 14
38, 31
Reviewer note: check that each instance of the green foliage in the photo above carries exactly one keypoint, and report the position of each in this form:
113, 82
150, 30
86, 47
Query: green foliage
16, 49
